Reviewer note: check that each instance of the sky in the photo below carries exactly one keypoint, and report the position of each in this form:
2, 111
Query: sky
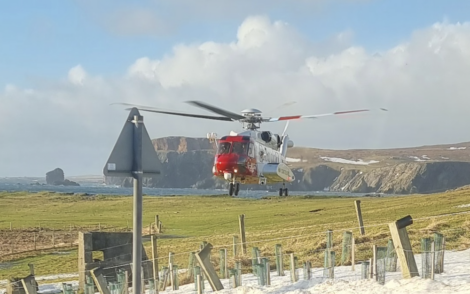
63, 63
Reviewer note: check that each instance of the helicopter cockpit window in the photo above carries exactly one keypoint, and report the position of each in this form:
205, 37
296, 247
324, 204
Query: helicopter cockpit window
224, 148
240, 147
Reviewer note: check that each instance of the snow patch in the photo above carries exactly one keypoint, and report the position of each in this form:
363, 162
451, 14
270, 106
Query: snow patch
455, 280
463, 206
346, 161
416, 158
290, 159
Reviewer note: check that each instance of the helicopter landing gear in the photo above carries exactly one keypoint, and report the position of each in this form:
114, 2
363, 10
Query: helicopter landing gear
233, 188
283, 190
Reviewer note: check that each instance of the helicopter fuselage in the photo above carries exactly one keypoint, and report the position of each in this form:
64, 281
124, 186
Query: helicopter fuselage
253, 157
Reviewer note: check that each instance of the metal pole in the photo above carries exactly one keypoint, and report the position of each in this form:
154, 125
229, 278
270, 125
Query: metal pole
137, 234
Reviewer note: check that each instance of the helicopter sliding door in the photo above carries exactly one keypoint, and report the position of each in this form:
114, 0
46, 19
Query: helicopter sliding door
259, 155
251, 150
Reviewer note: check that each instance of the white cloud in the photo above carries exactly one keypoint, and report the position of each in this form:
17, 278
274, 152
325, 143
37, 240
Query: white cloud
77, 74
423, 82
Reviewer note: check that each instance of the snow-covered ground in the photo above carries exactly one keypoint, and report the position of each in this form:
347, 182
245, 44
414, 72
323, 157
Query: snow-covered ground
457, 148
416, 158
463, 206
290, 159
455, 279
342, 160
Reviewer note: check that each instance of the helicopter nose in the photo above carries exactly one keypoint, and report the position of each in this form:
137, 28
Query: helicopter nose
226, 163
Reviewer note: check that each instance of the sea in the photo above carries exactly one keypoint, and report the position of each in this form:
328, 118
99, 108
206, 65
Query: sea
99, 189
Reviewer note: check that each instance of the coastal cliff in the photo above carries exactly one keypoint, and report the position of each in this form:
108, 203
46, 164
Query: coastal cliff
187, 163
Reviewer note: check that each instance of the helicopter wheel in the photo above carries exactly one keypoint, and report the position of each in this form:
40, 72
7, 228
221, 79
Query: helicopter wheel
283, 190
230, 189
237, 189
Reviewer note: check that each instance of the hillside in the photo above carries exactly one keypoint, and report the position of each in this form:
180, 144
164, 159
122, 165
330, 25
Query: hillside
187, 162
309, 157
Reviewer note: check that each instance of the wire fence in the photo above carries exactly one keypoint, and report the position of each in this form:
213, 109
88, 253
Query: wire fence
329, 253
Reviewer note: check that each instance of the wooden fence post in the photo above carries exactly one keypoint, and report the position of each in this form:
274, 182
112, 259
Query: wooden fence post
374, 262
433, 255
155, 263
170, 267
235, 245
241, 220
31, 269
353, 248
357, 203
157, 222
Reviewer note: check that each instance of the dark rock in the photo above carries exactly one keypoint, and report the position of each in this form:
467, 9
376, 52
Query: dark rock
56, 175
66, 183
56, 178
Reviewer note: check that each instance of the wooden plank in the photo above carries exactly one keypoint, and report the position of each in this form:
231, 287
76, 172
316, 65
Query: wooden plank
28, 286
100, 281
404, 251
85, 256
208, 269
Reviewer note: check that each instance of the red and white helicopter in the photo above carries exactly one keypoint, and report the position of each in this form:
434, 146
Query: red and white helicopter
251, 156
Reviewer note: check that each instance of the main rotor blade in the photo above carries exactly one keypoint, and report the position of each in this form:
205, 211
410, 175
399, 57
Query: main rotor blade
272, 119
282, 105
151, 109
217, 110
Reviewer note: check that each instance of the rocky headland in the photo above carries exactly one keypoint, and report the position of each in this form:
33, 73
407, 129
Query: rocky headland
187, 163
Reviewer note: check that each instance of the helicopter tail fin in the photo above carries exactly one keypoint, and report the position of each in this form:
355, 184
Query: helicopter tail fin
285, 129
286, 143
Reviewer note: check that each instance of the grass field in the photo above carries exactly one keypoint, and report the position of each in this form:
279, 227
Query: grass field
299, 223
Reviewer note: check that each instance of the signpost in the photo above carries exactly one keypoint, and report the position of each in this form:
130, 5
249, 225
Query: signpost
126, 160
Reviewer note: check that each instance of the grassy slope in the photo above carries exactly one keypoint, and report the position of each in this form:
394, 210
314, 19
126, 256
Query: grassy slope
298, 223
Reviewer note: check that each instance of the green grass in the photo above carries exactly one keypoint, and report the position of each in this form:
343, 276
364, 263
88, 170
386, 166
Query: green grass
299, 223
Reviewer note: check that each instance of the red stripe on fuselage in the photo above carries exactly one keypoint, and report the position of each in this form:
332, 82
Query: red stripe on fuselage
234, 139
